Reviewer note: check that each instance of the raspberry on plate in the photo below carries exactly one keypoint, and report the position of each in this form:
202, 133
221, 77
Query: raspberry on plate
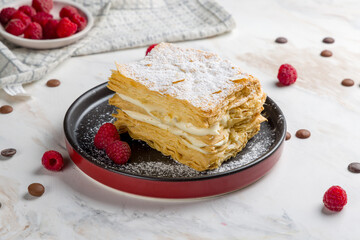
52, 160
49, 31
66, 28
42, 18
150, 48
33, 31
106, 134
79, 21
28, 10
119, 152
22, 16
287, 74
335, 198
6, 14
15, 27
68, 11
42, 5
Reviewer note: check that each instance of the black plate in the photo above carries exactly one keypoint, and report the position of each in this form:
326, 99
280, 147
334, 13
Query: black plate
91, 110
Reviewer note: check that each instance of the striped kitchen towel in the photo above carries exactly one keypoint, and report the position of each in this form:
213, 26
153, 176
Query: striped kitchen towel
119, 24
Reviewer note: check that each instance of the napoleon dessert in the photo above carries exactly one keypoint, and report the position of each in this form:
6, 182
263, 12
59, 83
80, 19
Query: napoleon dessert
188, 104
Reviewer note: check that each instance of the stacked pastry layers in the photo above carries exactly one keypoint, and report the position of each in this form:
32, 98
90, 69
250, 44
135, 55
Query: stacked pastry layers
191, 105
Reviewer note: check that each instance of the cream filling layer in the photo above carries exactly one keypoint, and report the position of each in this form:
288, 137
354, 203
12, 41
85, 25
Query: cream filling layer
186, 127
195, 143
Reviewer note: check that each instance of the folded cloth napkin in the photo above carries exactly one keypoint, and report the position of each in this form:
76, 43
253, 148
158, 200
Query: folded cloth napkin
119, 24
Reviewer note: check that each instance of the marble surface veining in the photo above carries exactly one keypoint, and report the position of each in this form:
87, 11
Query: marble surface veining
285, 204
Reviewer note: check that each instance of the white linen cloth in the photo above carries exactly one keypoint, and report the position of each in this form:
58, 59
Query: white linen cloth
119, 24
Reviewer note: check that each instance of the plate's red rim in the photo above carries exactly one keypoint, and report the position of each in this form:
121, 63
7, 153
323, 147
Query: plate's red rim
84, 155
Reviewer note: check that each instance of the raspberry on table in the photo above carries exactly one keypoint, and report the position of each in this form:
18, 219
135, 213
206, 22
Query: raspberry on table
52, 160
15, 27
42, 18
79, 21
49, 31
66, 28
42, 5
22, 16
33, 31
106, 134
150, 48
287, 74
28, 10
6, 14
68, 11
119, 152
335, 198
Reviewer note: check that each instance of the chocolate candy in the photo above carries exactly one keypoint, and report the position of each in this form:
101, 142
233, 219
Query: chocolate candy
9, 152
288, 136
53, 83
281, 40
36, 189
328, 40
6, 109
303, 133
347, 82
326, 53
354, 167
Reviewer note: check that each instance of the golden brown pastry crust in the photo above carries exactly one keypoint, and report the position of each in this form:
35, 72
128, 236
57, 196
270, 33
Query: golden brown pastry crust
159, 116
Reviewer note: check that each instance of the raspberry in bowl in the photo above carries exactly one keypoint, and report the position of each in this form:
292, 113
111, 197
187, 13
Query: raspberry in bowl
47, 15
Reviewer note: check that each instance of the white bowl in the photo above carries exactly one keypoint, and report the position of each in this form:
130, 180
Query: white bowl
49, 43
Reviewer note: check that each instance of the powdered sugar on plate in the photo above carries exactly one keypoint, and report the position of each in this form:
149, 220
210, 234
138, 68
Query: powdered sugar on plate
147, 162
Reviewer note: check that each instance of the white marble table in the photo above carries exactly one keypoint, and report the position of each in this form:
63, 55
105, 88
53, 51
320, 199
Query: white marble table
285, 204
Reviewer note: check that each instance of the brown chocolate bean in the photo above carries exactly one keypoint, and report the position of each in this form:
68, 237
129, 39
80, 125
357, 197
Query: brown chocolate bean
303, 133
347, 82
281, 40
53, 83
288, 136
328, 40
36, 189
9, 152
354, 167
326, 53
6, 109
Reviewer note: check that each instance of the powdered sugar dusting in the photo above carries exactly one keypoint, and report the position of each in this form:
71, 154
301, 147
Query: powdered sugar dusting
201, 78
148, 162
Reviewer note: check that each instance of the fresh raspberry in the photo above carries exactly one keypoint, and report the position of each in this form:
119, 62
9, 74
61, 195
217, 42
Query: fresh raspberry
33, 31
15, 27
119, 152
49, 31
150, 48
335, 198
52, 160
68, 11
287, 74
42, 18
79, 21
5, 15
42, 5
106, 134
66, 28
28, 10
22, 16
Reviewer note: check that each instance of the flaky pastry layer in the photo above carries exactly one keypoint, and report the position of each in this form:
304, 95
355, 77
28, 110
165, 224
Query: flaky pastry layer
200, 137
